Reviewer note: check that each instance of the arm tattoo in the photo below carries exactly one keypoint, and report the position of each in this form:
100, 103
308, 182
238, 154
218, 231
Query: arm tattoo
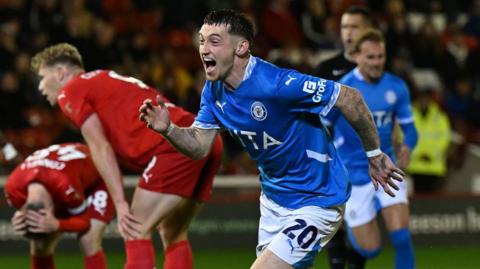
192, 132
353, 107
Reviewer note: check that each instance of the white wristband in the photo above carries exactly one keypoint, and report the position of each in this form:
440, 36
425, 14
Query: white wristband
9, 152
374, 153
169, 129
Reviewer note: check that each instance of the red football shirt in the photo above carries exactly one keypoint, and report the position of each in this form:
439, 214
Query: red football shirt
116, 100
65, 170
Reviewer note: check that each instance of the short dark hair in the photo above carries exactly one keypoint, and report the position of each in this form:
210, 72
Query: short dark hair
238, 23
362, 11
369, 35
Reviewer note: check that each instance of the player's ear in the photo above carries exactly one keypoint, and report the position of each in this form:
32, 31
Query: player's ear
243, 48
59, 72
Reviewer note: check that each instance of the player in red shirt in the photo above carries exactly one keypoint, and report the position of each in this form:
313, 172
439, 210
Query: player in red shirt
55, 190
104, 105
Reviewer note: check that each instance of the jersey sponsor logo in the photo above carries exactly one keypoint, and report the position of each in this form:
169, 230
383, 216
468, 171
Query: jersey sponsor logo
390, 97
220, 105
382, 117
267, 139
290, 78
317, 88
338, 72
258, 111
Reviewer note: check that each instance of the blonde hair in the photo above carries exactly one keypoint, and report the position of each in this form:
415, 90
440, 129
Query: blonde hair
59, 53
368, 35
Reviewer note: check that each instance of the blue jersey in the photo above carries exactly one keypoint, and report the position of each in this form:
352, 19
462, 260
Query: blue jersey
389, 101
275, 114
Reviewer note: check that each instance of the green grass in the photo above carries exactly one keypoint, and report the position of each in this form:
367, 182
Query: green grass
433, 257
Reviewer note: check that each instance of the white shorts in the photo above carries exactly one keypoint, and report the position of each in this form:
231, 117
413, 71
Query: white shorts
364, 202
296, 235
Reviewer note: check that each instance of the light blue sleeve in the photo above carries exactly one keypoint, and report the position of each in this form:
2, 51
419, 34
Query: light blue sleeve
307, 93
405, 116
403, 111
206, 118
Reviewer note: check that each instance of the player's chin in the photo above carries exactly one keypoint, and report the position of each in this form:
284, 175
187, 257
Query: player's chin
211, 77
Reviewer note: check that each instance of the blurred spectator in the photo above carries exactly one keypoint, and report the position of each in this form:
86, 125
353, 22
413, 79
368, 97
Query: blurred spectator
457, 101
104, 49
315, 22
428, 162
280, 25
153, 41
47, 16
472, 26
12, 103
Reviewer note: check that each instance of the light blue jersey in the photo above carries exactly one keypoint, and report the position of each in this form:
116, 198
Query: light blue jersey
389, 101
274, 113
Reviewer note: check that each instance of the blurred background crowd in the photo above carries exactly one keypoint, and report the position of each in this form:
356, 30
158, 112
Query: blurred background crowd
433, 45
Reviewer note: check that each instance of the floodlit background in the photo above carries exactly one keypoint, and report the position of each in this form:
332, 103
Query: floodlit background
433, 45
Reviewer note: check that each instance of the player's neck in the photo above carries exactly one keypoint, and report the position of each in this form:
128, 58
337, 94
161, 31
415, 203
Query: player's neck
73, 72
236, 75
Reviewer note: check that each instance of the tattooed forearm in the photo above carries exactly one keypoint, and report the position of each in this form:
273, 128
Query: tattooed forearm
192, 142
353, 107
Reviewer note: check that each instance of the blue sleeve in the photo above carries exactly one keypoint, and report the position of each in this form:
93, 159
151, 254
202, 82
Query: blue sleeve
206, 118
410, 135
307, 93
404, 117
403, 111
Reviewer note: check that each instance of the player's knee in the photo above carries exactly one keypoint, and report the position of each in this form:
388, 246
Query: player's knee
400, 238
90, 243
41, 248
170, 234
366, 249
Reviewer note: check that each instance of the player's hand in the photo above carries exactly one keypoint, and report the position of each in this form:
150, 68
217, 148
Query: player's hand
128, 227
403, 156
384, 173
41, 221
157, 117
19, 222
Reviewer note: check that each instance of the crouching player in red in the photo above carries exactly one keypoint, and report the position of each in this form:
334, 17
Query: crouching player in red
55, 190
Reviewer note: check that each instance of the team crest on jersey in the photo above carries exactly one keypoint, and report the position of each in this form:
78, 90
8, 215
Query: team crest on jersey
390, 97
258, 111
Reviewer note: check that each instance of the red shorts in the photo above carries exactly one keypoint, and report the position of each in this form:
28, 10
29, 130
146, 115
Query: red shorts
100, 204
175, 173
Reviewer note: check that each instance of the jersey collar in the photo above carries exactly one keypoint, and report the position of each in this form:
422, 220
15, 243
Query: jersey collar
252, 61
357, 74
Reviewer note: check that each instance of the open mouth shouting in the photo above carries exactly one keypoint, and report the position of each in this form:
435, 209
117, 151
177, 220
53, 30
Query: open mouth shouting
209, 65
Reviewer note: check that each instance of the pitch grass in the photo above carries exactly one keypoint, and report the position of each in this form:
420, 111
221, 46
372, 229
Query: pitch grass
427, 257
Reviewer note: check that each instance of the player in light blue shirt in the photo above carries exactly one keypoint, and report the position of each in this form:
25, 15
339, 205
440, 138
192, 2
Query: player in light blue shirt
388, 98
275, 114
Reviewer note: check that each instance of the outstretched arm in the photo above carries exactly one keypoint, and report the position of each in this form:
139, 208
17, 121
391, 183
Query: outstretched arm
192, 142
382, 170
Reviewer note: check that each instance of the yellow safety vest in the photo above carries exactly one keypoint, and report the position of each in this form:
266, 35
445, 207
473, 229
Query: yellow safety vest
434, 135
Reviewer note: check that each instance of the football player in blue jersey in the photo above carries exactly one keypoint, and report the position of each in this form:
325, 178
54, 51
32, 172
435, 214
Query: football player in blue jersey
388, 98
275, 114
